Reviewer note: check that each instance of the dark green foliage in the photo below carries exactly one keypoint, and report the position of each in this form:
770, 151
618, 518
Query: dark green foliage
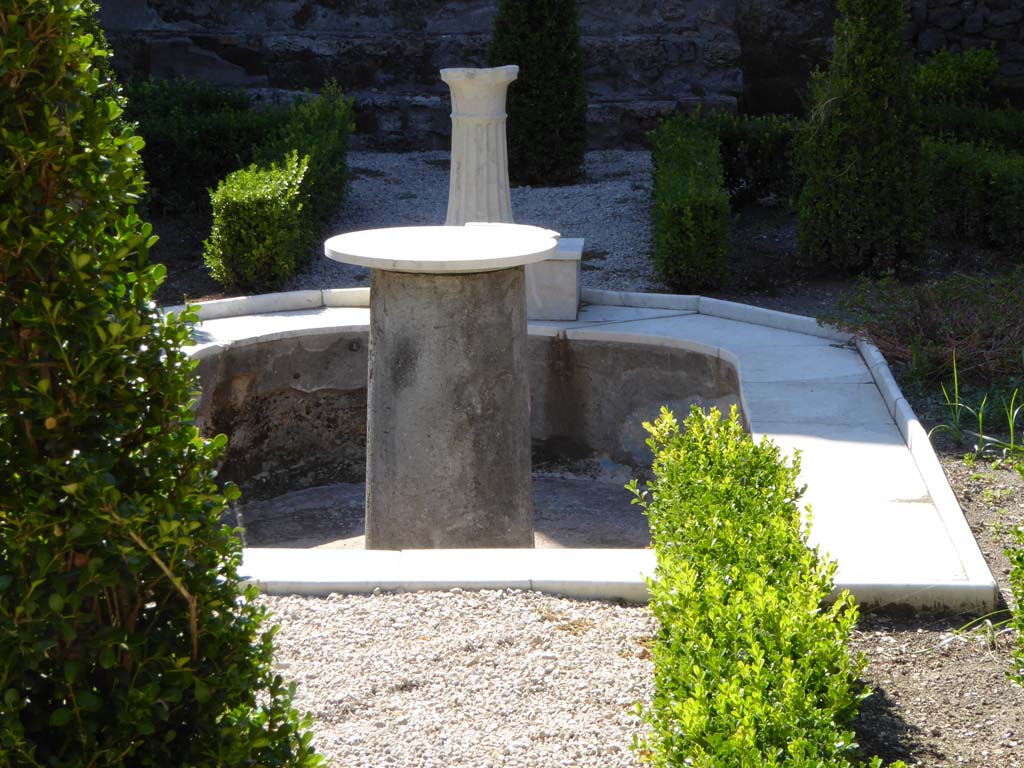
125, 636
1003, 128
319, 128
267, 217
749, 668
260, 228
977, 194
547, 104
969, 77
757, 156
921, 327
862, 205
690, 206
195, 135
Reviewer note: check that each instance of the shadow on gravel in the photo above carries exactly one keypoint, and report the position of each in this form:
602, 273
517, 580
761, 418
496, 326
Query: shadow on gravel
882, 731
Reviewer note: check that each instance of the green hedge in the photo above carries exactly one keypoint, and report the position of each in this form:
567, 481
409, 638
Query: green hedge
862, 204
690, 213
126, 636
195, 135
750, 668
757, 156
318, 127
1001, 128
976, 193
969, 77
261, 231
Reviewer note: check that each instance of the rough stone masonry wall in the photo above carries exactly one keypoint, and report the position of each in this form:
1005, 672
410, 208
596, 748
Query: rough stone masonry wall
644, 58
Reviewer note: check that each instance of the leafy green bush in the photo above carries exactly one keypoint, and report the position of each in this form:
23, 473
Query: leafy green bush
125, 635
260, 231
1001, 128
195, 135
921, 327
749, 668
319, 128
690, 206
756, 156
1016, 555
547, 105
968, 77
861, 208
976, 193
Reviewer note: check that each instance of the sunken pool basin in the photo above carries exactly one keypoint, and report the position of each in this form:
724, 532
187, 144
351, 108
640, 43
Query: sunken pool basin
294, 409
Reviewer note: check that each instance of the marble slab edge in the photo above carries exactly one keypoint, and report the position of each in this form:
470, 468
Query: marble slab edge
934, 477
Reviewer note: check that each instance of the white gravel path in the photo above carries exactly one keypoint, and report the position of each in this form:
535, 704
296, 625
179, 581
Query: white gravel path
609, 209
468, 679
478, 680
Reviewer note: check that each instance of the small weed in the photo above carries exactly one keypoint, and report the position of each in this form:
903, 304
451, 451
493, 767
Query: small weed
982, 629
995, 495
1003, 449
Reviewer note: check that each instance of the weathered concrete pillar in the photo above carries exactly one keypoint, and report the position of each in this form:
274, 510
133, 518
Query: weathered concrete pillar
478, 188
448, 456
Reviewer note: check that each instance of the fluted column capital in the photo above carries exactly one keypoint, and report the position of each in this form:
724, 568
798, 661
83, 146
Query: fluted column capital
479, 92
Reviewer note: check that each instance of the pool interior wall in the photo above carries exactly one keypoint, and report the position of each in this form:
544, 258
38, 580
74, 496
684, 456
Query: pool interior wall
294, 409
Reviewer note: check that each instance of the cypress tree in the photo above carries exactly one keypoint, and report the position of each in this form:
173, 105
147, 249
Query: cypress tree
862, 207
547, 104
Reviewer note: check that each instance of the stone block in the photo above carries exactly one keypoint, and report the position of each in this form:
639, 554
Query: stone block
974, 23
946, 18
553, 285
722, 54
931, 40
1002, 18
1008, 32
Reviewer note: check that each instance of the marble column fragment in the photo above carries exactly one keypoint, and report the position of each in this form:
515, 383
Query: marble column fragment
479, 187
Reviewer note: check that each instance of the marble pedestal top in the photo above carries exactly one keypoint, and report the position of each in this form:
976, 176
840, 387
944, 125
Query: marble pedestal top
444, 249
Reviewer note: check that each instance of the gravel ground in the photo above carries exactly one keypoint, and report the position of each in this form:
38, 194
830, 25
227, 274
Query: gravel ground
493, 678
609, 209
467, 679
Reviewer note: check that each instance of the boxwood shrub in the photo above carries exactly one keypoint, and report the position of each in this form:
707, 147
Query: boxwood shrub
261, 231
757, 156
690, 212
976, 193
319, 128
751, 668
998, 128
968, 77
126, 638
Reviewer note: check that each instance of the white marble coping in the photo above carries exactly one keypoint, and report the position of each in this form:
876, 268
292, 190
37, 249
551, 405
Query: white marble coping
895, 563
505, 74
569, 249
587, 574
473, 247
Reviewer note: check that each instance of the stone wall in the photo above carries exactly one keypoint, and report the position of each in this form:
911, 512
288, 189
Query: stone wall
643, 58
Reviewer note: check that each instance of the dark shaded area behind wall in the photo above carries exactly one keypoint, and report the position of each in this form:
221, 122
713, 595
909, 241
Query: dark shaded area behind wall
642, 60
